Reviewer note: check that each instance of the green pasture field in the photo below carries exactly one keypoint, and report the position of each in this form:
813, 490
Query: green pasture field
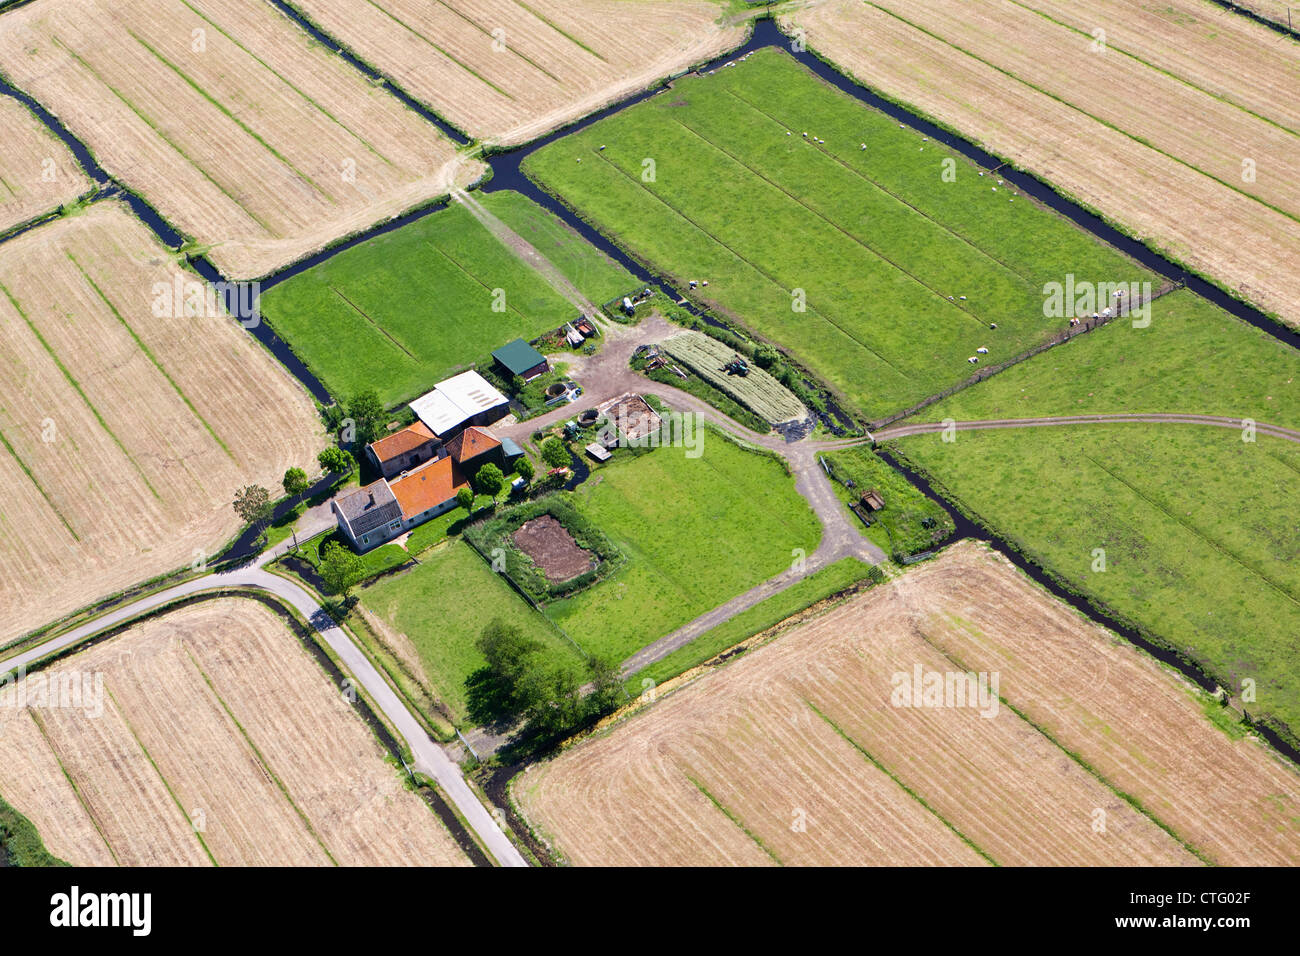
1198, 529
1193, 359
880, 244
696, 533
832, 579
403, 310
443, 605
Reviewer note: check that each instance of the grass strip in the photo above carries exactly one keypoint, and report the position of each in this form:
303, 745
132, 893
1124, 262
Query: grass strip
266, 767
736, 820
77, 387
905, 788
94, 821
166, 786
151, 357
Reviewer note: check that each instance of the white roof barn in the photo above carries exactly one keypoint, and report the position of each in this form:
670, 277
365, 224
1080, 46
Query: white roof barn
466, 398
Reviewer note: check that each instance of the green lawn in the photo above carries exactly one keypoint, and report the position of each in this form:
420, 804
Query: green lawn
875, 238
821, 584
1194, 358
696, 532
442, 607
1202, 548
401, 311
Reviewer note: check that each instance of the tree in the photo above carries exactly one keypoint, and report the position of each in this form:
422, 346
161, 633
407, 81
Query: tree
552, 700
253, 504
465, 498
490, 481
509, 655
367, 411
340, 569
606, 685
554, 453
525, 470
336, 461
295, 482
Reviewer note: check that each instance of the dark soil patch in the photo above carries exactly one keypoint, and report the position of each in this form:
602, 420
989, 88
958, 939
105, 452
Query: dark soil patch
552, 549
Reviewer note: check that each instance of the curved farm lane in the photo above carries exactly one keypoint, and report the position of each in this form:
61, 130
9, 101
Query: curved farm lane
1219, 421
429, 756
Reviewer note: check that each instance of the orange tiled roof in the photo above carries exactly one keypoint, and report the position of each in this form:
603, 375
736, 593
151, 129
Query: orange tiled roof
427, 486
401, 442
471, 443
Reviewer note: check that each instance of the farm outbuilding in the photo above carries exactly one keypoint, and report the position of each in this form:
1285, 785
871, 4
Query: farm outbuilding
462, 400
520, 358
475, 447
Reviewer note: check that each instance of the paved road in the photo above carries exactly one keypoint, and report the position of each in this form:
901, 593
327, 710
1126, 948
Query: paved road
1219, 421
429, 756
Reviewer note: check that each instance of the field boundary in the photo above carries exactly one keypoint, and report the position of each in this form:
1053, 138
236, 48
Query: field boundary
1059, 338
971, 524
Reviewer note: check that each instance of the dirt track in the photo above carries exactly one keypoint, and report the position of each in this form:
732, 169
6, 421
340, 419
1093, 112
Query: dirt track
925, 428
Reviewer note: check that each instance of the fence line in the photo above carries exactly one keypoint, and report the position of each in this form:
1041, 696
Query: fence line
1065, 335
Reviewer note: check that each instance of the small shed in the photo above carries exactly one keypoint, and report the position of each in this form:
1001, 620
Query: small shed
873, 500
598, 451
520, 358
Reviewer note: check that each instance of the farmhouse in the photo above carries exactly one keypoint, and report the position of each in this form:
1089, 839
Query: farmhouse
368, 516
520, 358
428, 491
385, 509
405, 449
462, 400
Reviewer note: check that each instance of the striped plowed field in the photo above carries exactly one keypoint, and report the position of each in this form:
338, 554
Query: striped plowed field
796, 752
126, 426
220, 741
246, 134
511, 70
37, 173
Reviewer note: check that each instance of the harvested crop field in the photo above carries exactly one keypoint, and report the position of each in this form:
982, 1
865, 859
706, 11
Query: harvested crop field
551, 547
1119, 710
126, 426
804, 730
245, 134
1181, 127
216, 739
37, 173
758, 391
509, 70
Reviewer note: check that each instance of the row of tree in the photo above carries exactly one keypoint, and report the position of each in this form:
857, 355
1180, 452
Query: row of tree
253, 502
